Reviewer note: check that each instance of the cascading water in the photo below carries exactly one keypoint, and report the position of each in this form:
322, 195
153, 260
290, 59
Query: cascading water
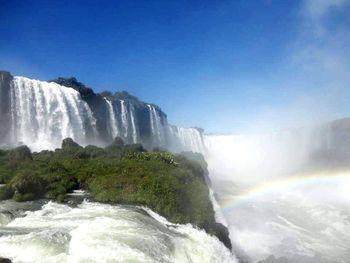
152, 121
113, 125
133, 125
128, 118
156, 125
187, 139
43, 114
124, 118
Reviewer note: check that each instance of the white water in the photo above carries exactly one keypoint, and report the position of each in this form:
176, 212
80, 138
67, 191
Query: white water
174, 138
157, 128
124, 117
133, 125
187, 139
152, 121
46, 113
269, 219
95, 232
128, 117
113, 126
162, 134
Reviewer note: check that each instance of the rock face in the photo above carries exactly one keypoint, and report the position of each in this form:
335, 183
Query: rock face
222, 234
5, 260
5, 105
41, 114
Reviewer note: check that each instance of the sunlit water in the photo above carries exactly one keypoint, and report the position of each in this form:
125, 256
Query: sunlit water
93, 232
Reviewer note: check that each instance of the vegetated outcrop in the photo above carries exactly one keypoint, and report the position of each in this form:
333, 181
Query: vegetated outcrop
173, 185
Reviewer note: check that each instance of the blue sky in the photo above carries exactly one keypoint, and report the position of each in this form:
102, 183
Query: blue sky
226, 66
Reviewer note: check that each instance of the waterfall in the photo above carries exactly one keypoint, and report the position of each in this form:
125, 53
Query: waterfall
113, 126
187, 139
43, 114
133, 125
152, 121
124, 117
157, 128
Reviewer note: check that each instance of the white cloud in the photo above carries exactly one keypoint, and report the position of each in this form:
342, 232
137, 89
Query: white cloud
314, 11
321, 55
318, 8
319, 70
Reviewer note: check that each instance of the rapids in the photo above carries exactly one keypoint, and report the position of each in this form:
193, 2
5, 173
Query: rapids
93, 232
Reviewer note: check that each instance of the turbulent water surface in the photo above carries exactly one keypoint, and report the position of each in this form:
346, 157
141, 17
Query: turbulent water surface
93, 232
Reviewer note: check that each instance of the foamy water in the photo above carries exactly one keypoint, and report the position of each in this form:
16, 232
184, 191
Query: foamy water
93, 232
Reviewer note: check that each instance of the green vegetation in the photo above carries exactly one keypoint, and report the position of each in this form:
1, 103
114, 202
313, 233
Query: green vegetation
172, 185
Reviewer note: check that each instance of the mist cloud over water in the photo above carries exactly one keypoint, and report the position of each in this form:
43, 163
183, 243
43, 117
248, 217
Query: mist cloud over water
283, 181
285, 195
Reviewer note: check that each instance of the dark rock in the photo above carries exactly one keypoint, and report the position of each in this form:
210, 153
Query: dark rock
68, 143
73, 83
133, 148
21, 153
222, 234
5, 193
92, 151
5, 107
116, 147
118, 142
5, 260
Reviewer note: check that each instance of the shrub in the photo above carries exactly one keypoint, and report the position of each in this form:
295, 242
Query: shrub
5, 193
27, 186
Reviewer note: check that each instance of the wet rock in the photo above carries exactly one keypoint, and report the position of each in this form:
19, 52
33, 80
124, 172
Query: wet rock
222, 234
5, 260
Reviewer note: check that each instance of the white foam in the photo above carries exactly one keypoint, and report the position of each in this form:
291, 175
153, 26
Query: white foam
94, 232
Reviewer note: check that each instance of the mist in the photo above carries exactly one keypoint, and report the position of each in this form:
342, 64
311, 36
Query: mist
285, 194
283, 180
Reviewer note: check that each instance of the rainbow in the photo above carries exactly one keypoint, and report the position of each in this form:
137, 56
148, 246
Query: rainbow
279, 184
